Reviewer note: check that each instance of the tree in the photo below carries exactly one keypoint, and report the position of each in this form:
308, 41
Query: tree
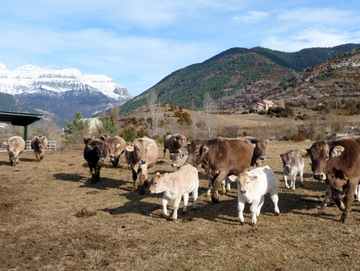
209, 106
109, 125
151, 101
76, 130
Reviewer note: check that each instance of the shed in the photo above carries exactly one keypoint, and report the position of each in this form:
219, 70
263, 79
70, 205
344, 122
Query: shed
20, 119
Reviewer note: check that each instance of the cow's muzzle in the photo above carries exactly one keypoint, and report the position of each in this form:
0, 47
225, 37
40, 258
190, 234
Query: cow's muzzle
319, 176
142, 161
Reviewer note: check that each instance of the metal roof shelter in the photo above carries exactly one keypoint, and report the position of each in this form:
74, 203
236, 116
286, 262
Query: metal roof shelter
20, 119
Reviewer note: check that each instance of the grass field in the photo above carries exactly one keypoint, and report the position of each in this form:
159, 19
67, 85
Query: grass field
52, 218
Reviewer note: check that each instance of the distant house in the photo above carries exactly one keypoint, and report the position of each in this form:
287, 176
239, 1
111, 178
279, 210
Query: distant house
265, 105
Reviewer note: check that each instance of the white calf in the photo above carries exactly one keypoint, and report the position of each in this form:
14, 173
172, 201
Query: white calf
252, 187
293, 165
176, 185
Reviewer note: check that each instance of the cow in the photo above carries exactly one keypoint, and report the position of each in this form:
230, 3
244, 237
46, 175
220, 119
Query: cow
173, 143
116, 146
95, 153
140, 156
176, 185
259, 151
39, 144
15, 146
252, 186
293, 165
178, 159
337, 163
220, 157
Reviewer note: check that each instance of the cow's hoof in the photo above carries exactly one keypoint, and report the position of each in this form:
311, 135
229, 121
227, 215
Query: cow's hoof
215, 200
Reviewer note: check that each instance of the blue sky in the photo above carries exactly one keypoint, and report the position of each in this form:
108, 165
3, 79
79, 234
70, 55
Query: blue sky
139, 42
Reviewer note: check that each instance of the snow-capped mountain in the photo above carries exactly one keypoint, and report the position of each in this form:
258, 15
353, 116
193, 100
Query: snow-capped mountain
64, 91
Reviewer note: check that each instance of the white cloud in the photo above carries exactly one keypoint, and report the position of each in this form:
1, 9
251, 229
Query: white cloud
252, 17
309, 38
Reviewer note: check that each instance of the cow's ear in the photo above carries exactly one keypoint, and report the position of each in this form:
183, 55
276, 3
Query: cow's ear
117, 145
253, 178
130, 148
5, 143
204, 149
149, 147
303, 153
232, 178
337, 151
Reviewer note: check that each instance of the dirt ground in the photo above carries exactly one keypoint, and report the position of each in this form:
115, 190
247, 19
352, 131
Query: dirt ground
52, 218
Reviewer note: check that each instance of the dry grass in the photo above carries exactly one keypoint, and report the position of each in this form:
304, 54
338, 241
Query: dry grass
52, 218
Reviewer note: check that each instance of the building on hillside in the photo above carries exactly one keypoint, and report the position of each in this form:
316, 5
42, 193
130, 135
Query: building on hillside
265, 105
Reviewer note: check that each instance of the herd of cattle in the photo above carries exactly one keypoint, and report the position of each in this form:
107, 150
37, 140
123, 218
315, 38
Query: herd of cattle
336, 162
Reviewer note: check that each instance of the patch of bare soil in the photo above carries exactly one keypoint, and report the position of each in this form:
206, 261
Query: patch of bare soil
52, 218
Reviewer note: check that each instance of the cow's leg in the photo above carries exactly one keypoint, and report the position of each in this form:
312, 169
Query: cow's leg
293, 179
176, 207
164, 151
357, 193
275, 199
216, 184
134, 176
327, 196
208, 192
335, 194
253, 209
285, 180
349, 198
186, 200
301, 173
261, 203
240, 207
165, 201
195, 195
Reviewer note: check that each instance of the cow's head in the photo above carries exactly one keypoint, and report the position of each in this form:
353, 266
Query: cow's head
114, 150
140, 150
155, 183
245, 182
288, 160
196, 152
260, 148
180, 140
40, 141
320, 154
178, 159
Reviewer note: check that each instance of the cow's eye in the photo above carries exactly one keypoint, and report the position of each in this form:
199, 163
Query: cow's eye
327, 157
196, 152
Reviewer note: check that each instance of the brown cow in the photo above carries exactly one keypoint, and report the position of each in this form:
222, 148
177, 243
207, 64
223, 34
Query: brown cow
337, 163
39, 144
259, 150
174, 142
220, 157
141, 155
15, 146
116, 146
95, 153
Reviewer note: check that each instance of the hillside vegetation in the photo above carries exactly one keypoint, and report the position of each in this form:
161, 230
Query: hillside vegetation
235, 71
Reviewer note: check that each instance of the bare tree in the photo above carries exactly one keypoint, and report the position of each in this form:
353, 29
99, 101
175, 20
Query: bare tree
151, 101
209, 106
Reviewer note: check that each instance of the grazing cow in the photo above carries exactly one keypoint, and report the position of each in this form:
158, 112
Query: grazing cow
176, 185
252, 186
15, 146
259, 151
293, 165
116, 146
141, 155
337, 163
95, 153
173, 143
39, 144
220, 157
